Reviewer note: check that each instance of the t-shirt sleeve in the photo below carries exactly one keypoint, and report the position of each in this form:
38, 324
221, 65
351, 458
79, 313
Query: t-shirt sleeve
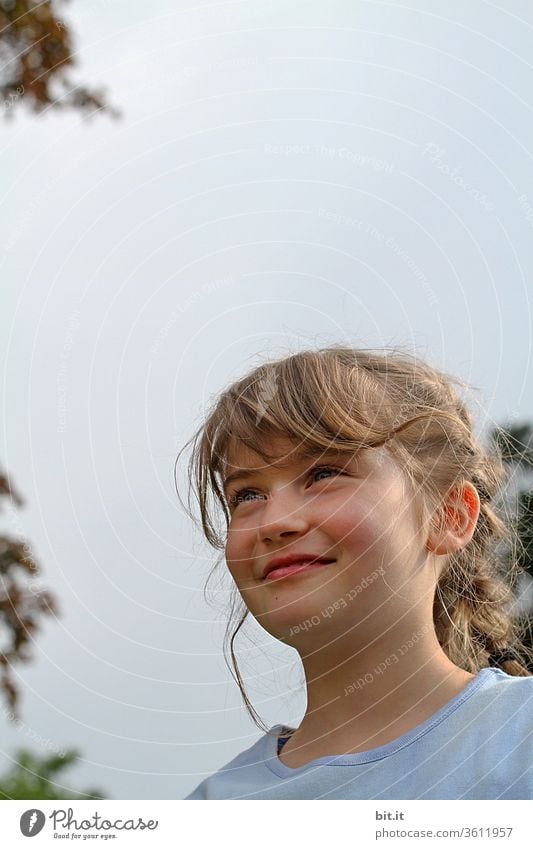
198, 792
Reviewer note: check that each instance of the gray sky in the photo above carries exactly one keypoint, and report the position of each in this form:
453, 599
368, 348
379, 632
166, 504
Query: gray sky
285, 174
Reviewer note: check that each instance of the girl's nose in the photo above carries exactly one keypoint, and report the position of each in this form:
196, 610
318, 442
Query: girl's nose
281, 517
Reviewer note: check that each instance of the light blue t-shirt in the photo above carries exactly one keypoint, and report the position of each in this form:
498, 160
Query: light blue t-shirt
478, 746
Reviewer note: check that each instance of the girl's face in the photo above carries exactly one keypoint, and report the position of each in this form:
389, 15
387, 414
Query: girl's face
356, 510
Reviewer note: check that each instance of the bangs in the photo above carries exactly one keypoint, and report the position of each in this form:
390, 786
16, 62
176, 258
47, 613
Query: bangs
295, 399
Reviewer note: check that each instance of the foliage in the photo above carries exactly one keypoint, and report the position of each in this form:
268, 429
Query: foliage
22, 604
524, 528
515, 443
36, 55
32, 777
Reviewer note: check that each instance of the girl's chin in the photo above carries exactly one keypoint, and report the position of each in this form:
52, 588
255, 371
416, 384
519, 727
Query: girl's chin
292, 624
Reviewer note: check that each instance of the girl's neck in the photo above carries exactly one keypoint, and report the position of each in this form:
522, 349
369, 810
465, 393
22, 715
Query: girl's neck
353, 707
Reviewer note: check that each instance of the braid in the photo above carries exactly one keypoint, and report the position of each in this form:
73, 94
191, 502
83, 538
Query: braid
473, 602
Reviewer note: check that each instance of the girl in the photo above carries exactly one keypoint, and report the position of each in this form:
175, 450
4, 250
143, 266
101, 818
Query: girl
359, 529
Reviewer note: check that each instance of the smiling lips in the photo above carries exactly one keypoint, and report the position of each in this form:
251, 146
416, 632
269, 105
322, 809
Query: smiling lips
292, 565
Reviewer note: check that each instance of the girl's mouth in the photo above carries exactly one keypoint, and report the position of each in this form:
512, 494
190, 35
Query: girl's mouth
295, 569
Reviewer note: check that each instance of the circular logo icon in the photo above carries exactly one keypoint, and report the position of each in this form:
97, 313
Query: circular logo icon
31, 822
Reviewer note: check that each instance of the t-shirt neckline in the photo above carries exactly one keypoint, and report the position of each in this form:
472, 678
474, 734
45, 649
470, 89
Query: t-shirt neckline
283, 771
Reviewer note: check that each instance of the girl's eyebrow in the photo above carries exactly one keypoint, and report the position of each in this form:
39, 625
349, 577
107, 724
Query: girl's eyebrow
299, 457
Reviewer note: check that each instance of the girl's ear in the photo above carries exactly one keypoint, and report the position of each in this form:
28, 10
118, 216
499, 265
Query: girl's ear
454, 523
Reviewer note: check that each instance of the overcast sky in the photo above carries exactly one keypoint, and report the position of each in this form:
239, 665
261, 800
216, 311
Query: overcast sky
285, 174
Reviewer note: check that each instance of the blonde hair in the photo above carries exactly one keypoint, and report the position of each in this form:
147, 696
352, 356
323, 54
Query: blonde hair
350, 398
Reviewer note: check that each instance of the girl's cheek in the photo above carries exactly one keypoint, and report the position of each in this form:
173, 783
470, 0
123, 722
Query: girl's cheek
229, 555
360, 534
236, 554
235, 568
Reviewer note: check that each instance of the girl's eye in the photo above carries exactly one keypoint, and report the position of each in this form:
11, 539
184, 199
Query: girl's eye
240, 496
321, 469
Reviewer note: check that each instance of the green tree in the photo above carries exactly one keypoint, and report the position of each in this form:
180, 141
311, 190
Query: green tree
23, 603
22, 606
524, 528
516, 445
36, 57
32, 777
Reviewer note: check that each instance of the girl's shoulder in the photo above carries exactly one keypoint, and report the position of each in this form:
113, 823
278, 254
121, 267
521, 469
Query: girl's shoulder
244, 769
502, 691
501, 677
